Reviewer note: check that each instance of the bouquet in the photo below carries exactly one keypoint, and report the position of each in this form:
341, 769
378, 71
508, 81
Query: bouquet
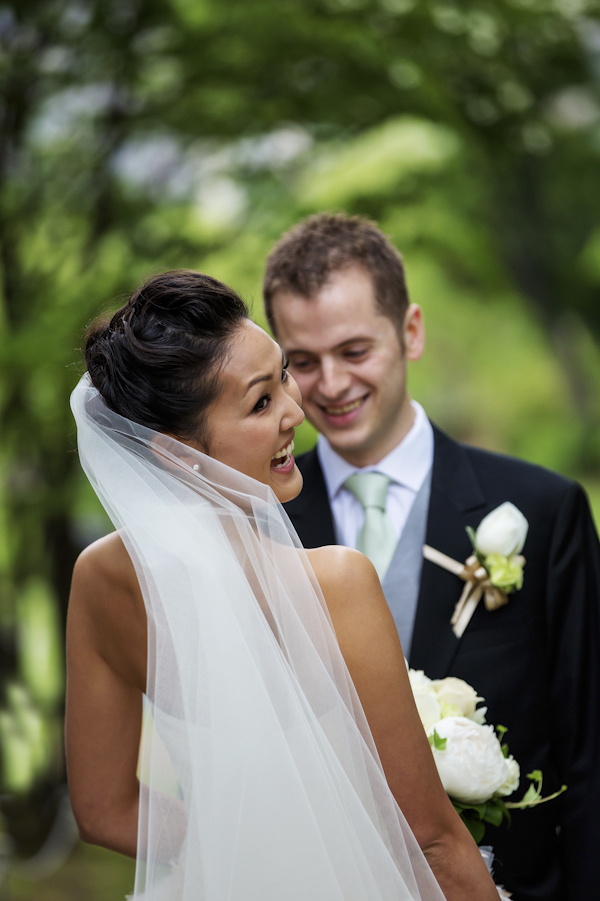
474, 763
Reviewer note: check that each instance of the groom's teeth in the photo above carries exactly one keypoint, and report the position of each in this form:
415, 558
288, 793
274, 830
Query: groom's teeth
339, 411
285, 452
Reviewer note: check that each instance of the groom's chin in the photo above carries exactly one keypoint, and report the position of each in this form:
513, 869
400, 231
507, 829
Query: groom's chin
348, 441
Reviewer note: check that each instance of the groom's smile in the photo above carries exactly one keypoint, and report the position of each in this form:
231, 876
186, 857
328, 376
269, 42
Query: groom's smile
342, 414
350, 366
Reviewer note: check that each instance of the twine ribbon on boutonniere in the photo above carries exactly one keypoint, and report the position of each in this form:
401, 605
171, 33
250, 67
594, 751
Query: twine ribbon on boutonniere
495, 568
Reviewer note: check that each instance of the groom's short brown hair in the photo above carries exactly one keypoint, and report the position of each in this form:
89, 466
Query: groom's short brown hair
305, 258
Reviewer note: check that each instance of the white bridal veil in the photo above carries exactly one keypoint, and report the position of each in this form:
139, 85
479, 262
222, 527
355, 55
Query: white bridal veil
260, 780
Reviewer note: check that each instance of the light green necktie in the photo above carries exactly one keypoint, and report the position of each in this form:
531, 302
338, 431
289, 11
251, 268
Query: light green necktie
377, 539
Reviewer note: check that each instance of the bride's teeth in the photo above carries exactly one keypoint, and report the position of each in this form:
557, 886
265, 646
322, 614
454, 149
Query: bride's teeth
285, 452
339, 411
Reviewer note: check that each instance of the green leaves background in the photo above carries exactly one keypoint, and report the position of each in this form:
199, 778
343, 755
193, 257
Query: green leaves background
139, 135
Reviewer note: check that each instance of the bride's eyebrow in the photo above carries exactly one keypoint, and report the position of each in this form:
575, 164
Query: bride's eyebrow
260, 378
264, 378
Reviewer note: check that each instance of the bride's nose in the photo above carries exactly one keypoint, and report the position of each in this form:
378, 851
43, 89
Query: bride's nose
293, 414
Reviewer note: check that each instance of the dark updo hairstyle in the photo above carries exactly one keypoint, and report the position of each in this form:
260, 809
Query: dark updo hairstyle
156, 360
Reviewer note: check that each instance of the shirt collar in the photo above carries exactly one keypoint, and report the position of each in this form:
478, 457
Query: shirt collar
407, 464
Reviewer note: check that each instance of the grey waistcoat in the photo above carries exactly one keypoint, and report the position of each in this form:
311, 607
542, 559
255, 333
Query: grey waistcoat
402, 580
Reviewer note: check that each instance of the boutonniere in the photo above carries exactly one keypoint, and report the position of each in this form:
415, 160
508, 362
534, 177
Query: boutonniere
495, 568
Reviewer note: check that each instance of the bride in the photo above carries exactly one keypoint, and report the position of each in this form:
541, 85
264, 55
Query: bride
280, 750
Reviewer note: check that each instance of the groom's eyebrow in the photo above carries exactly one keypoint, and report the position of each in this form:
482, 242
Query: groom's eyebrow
264, 378
354, 340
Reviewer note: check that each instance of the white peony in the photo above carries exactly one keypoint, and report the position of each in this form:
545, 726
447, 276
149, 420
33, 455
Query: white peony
511, 783
472, 766
425, 696
457, 695
479, 716
419, 681
503, 531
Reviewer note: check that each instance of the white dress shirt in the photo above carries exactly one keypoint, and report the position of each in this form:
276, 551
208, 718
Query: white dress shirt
407, 466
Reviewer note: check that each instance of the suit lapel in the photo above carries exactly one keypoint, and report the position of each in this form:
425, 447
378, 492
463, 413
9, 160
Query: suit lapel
310, 511
455, 493
455, 496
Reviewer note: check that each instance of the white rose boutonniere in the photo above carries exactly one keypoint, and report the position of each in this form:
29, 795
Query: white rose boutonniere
498, 543
503, 531
495, 568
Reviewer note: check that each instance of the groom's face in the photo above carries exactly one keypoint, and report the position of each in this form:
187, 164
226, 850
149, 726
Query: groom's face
349, 364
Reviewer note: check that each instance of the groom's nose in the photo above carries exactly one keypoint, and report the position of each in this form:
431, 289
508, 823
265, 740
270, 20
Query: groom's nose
334, 378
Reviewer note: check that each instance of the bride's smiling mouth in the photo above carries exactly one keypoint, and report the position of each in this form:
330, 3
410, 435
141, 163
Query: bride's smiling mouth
283, 461
343, 414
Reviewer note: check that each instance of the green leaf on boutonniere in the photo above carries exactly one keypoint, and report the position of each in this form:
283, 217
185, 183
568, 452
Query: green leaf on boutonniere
471, 534
504, 572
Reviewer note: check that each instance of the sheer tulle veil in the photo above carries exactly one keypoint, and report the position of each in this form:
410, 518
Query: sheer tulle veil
259, 777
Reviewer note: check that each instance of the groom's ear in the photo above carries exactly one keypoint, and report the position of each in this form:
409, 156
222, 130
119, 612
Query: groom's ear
413, 333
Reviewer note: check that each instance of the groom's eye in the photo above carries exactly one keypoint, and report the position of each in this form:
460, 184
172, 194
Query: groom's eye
354, 353
302, 363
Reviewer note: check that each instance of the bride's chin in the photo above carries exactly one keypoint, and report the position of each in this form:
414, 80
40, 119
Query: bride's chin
290, 488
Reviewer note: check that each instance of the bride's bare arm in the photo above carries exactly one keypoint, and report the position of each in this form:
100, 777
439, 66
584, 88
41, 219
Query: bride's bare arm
105, 680
371, 648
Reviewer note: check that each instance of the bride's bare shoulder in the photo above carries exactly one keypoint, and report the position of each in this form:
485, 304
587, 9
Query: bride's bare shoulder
107, 559
343, 574
106, 611
339, 559
106, 606
104, 575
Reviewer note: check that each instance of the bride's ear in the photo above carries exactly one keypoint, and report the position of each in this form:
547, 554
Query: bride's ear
166, 448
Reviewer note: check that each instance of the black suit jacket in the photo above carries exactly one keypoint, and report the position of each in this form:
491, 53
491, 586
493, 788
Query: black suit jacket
536, 661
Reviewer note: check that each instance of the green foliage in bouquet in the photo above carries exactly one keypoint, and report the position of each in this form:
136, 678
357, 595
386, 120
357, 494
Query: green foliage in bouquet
495, 811
436, 742
475, 816
533, 795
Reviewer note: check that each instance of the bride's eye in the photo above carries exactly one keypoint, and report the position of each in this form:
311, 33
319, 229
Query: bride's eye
262, 403
284, 371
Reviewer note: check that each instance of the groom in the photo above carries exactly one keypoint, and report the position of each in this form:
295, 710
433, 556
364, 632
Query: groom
386, 479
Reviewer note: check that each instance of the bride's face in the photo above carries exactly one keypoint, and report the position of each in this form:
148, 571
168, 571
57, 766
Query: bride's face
251, 424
